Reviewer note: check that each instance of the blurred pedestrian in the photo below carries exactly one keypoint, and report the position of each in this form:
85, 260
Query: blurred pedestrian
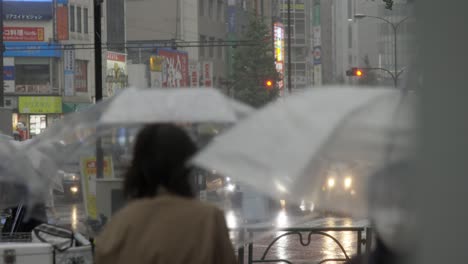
163, 223
392, 222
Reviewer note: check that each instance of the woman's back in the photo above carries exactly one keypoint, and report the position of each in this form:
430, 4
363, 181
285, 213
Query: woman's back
166, 229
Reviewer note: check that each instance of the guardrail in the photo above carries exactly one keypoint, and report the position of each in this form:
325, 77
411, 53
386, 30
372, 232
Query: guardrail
305, 236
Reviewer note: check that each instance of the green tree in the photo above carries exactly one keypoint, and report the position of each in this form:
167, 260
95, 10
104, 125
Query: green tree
254, 65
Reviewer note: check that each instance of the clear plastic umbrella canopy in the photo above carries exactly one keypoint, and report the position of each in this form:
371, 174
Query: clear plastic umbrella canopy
317, 148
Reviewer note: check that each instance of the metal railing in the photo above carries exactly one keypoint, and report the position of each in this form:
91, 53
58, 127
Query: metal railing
305, 236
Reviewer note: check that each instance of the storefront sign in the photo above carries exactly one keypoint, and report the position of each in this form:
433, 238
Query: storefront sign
32, 49
33, 89
23, 34
81, 76
156, 63
69, 71
40, 105
317, 55
278, 31
10, 102
28, 9
62, 22
88, 181
116, 77
193, 69
9, 75
174, 68
293, 6
206, 77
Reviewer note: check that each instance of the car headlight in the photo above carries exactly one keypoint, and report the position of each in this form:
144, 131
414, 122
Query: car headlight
348, 182
331, 183
74, 189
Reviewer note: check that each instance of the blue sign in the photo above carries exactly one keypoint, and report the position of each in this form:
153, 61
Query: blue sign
32, 49
317, 54
28, 9
231, 19
9, 73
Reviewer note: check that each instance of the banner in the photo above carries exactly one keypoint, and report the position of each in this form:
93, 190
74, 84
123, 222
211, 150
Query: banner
174, 68
278, 37
206, 74
193, 69
69, 70
88, 182
9, 75
23, 34
116, 76
62, 22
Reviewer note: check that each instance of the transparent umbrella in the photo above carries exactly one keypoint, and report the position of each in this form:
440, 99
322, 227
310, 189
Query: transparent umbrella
318, 147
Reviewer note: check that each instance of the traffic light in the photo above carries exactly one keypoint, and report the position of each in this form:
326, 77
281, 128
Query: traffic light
355, 72
269, 84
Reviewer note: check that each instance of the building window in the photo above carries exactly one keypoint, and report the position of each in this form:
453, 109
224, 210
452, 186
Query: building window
85, 21
201, 8
72, 18
78, 19
220, 48
202, 45
212, 44
210, 8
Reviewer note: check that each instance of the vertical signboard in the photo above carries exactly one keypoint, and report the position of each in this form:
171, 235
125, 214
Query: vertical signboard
175, 72
156, 71
278, 34
206, 74
69, 70
62, 22
193, 70
8, 75
88, 181
116, 75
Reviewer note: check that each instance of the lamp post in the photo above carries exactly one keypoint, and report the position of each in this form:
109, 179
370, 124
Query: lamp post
395, 27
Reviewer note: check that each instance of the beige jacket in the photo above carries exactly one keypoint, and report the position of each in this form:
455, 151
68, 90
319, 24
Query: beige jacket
167, 229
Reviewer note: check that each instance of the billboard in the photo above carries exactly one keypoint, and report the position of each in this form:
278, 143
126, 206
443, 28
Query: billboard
116, 75
278, 38
175, 72
40, 104
28, 9
23, 34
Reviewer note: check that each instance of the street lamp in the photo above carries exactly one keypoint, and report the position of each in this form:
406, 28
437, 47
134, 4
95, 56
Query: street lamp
395, 30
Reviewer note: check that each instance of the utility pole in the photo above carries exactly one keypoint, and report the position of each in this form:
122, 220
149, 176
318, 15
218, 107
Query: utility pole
289, 48
2, 49
98, 79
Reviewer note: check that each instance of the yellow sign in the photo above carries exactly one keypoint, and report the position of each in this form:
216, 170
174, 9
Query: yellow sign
40, 105
156, 63
88, 178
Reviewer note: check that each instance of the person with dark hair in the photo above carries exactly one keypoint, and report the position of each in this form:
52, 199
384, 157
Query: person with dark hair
163, 223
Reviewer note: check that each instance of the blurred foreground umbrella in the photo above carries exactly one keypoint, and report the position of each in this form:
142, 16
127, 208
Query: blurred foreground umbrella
286, 149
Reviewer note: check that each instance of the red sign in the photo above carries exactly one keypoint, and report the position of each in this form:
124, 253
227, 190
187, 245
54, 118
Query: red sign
62, 22
23, 34
175, 69
208, 74
114, 56
81, 76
